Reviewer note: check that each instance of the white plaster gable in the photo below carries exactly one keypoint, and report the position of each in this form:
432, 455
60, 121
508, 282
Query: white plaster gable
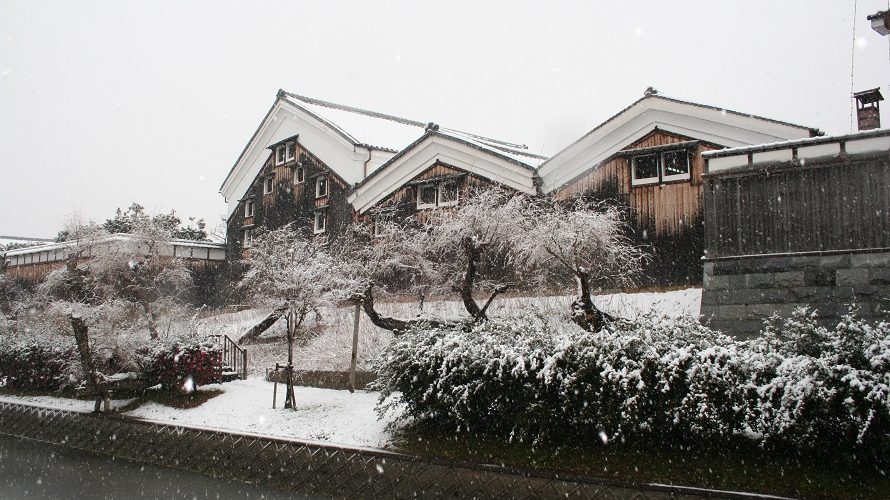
287, 119
721, 127
438, 147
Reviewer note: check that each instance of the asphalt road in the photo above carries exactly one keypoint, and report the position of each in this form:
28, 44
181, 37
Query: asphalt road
31, 469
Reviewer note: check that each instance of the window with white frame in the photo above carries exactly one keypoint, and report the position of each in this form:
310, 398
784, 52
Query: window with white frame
248, 237
381, 224
438, 194
291, 151
321, 187
249, 208
674, 165
426, 195
666, 166
268, 185
449, 193
644, 169
299, 175
320, 223
280, 151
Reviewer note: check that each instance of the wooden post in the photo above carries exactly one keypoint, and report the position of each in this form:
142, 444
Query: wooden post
275, 386
355, 324
289, 398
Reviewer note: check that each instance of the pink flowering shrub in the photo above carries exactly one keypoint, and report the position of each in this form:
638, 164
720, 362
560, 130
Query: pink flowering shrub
184, 364
29, 364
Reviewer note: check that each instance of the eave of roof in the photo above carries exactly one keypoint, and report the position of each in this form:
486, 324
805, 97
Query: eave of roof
432, 133
812, 131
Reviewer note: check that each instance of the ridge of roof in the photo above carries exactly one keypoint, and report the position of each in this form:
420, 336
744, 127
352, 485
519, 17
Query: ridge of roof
652, 94
497, 143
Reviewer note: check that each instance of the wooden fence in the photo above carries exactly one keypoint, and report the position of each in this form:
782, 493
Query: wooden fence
836, 203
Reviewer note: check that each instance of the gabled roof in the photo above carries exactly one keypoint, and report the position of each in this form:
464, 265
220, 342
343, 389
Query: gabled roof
352, 141
657, 112
513, 170
383, 131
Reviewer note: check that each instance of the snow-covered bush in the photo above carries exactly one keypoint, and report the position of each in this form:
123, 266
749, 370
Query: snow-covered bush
798, 384
184, 363
821, 385
35, 362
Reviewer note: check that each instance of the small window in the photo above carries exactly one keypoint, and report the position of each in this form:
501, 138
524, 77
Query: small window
321, 187
448, 193
248, 208
644, 169
268, 185
279, 155
426, 195
291, 151
299, 175
248, 238
321, 222
675, 165
381, 224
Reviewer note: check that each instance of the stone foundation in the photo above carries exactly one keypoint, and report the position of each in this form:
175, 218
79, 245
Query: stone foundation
739, 293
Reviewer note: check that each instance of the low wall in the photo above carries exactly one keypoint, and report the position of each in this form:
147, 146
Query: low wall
739, 293
323, 379
311, 468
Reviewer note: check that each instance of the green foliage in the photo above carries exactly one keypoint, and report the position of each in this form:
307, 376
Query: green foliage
134, 217
675, 380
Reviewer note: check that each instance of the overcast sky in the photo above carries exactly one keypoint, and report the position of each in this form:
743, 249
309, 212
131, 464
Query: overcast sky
107, 103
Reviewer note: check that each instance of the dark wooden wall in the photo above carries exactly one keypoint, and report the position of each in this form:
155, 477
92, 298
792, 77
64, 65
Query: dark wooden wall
666, 218
290, 202
402, 203
836, 204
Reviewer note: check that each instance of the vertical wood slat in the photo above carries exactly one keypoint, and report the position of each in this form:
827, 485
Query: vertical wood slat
828, 206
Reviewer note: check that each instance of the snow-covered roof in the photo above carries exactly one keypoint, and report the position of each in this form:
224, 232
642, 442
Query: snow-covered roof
352, 141
801, 150
657, 112
509, 169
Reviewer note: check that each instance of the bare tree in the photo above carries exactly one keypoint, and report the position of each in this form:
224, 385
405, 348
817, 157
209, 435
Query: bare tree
289, 270
583, 241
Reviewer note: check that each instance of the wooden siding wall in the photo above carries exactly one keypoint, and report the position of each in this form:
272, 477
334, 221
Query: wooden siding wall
838, 204
665, 208
289, 202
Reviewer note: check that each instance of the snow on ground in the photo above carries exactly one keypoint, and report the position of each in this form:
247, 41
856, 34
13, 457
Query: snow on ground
330, 345
246, 406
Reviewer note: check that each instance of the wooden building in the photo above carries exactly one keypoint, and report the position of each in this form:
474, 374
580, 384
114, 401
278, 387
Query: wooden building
648, 158
322, 166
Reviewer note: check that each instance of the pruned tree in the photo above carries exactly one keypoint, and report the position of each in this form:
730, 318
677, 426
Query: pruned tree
468, 250
288, 270
583, 241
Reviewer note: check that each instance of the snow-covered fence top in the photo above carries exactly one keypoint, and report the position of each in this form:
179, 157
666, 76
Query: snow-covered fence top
825, 194
798, 151
51, 255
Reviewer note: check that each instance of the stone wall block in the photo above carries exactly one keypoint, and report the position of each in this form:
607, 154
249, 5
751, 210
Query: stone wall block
877, 259
851, 277
775, 280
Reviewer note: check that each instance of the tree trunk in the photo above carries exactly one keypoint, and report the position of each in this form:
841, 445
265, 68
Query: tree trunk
584, 311
466, 287
94, 380
289, 398
152, 319
263, 325
395, 325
